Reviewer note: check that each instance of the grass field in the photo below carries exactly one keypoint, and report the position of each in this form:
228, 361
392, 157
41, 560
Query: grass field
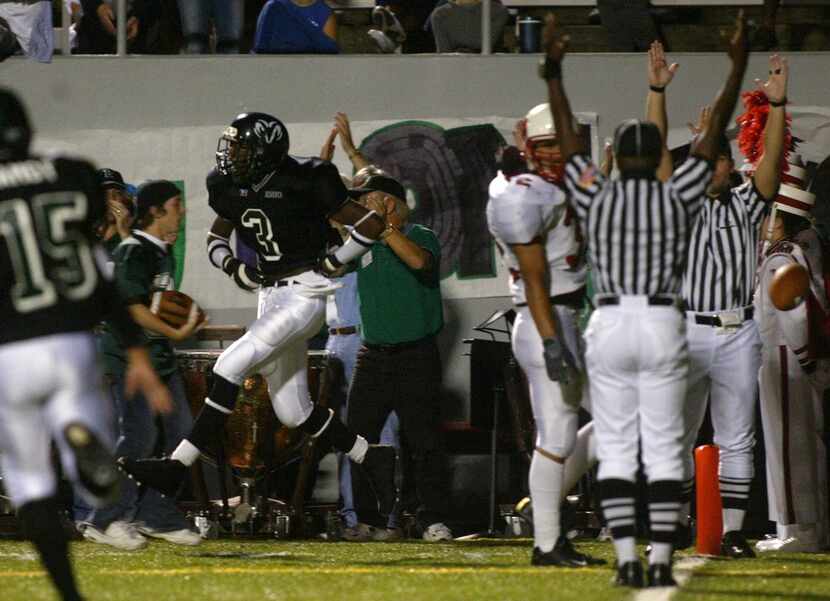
412, 571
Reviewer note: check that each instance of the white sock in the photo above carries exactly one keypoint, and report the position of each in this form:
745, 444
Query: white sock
186, 452
660, 553
545, 490
733, 519
626, 549
583, 458
358, 452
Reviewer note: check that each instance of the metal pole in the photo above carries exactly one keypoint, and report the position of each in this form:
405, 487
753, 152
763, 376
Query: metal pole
486, 46
121, 27
66, 21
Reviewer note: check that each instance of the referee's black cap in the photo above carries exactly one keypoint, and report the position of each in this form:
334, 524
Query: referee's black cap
635, 138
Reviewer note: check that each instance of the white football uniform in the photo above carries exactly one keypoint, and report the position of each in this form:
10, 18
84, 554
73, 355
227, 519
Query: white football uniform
522, 209
791, 409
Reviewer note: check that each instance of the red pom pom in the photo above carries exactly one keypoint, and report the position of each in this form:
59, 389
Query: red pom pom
752, 123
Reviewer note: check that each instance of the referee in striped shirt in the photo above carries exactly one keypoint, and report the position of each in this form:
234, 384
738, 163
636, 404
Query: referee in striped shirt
724, 344
637, 360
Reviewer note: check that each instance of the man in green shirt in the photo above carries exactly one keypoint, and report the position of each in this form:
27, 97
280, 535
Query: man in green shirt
399, 367
143, 266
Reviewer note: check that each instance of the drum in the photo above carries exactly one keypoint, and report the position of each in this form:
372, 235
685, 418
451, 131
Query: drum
253, 435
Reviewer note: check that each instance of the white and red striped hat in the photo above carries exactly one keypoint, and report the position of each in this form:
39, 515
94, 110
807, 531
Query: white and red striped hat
792, 195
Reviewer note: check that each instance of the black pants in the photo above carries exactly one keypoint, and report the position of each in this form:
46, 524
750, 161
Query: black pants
404, 379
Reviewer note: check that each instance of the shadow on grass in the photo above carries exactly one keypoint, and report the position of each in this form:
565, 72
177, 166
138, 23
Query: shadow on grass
282, 555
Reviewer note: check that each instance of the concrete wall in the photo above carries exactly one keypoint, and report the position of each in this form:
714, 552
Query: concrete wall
74, 95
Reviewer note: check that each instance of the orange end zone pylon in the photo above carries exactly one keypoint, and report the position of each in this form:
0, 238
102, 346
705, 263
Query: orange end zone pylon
709, 509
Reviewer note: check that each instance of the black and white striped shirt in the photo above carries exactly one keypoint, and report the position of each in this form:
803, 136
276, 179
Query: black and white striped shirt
637, 228
723, 251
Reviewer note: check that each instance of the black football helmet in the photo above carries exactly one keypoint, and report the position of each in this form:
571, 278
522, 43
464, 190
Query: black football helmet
15, 130
251, 146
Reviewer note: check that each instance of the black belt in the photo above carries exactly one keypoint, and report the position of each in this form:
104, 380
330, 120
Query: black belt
285, 278
714, 320
575, 299
657, 299
343, 331
396, 348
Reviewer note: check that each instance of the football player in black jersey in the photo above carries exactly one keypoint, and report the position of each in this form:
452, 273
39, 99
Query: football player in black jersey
279, 205
52, 293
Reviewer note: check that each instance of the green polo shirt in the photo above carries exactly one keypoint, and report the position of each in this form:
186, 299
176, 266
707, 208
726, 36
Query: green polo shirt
399, 304
143, 266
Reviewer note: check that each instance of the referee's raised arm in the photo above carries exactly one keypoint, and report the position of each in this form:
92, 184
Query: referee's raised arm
708, 143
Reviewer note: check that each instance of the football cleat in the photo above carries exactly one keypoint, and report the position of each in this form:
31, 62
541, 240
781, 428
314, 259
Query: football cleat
562, 554
659, 574
733, 544
97, 470
629, 574
379, 466
164, 475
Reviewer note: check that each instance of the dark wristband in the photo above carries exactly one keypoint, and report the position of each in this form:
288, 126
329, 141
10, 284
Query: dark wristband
657, 89
550, 69
780, 103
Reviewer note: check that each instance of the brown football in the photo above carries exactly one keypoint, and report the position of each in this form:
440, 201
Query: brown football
176, 308
789, 286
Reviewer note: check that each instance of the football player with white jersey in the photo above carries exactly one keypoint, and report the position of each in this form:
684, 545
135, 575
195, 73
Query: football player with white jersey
540, 244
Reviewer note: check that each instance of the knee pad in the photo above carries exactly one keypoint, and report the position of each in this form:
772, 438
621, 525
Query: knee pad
241, 357
290, 412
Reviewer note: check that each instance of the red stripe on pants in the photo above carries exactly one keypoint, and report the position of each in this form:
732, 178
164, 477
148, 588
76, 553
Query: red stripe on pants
785, 425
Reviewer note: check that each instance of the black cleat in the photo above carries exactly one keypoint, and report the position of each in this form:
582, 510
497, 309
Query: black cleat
379, 466
659, 574
629, 574
97, 470
734, 545
566, 549
165, 475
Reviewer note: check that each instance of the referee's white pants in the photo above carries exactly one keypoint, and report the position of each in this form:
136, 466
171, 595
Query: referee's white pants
276, 345
45, 384
723, 369
637, 363
555, 407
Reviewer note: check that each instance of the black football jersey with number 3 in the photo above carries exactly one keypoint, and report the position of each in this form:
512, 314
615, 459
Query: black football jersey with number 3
284, 218
50, 281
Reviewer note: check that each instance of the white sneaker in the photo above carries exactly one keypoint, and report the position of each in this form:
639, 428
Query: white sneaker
437, 532
789, 545
177, 537
119, 534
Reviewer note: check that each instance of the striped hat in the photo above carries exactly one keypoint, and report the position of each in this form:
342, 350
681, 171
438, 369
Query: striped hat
792, 195
794, 200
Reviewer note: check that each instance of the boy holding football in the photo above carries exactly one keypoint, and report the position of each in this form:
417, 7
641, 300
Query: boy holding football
144, 266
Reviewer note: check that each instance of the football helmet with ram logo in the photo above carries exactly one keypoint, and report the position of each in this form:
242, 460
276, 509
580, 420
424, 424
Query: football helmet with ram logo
253, 145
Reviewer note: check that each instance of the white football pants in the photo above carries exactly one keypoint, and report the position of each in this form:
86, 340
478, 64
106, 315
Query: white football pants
275, 345
47, 383
723, 369
637, 363
796, 457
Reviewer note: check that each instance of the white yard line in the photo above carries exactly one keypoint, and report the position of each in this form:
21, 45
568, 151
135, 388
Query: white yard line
682, 572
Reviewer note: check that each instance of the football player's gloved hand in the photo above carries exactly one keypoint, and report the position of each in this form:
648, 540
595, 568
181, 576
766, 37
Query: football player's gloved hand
247, 278
558, 360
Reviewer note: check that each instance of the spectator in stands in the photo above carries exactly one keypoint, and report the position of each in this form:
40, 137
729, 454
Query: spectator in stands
296, 27
456, 25
196, 16
630, 25
26, 26
388, 33
393, 16
97, 29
